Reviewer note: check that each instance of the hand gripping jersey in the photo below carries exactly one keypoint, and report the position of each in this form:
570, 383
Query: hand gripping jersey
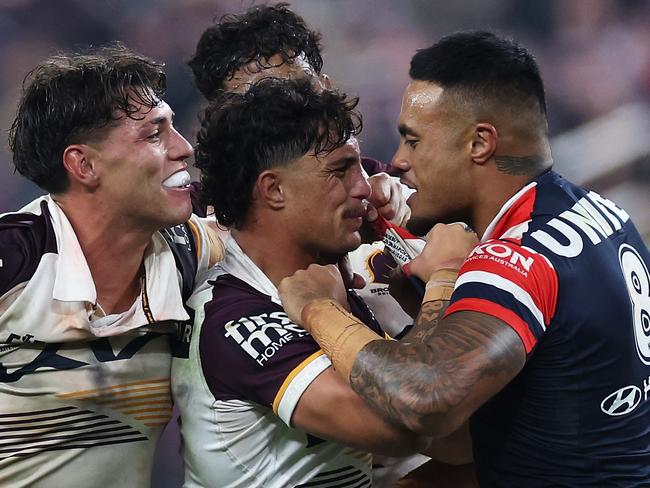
568, 271
84, 397
375, 265
247, 367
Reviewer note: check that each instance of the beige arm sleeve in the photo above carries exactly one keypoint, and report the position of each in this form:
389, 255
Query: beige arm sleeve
440, 285
339, 333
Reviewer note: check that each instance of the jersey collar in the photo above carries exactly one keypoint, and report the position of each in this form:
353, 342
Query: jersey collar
515, 212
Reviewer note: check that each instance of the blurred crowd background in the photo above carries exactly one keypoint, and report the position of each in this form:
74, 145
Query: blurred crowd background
594, 55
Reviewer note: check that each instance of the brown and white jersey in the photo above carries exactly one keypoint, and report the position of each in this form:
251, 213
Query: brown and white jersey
248, 365
84, 397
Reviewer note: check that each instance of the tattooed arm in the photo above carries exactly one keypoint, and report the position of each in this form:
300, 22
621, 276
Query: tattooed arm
435, 378
435, 385
431, 384
432, 381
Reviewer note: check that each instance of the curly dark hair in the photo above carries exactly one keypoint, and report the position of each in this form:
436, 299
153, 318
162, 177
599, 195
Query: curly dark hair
259, 32
70, 98
271, 125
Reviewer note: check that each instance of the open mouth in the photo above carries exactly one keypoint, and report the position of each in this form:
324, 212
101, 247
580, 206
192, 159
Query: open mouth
180, 179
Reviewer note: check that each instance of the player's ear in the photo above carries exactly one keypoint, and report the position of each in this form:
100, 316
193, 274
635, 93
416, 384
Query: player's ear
484, 142
78, 160
269, 189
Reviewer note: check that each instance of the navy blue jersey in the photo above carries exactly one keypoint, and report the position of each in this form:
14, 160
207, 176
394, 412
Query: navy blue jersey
568, 271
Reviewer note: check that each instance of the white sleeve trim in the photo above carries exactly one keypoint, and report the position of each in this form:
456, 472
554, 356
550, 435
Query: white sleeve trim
521, 295
298, 386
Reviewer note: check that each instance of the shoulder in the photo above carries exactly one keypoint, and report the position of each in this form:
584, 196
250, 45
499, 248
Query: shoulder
506, 257
25, 237
511, 282
234, 297
243, 330
195, 247
234, 309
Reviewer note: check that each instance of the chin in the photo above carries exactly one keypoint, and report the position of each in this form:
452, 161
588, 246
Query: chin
344, 246
353, 242
178, 218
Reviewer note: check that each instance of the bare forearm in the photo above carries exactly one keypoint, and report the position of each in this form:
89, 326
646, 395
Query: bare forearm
427, 319
380, 369
329, 409
395, 380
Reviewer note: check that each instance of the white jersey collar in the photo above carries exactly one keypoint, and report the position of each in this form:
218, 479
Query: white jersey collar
239, 265
512, 201
74, 282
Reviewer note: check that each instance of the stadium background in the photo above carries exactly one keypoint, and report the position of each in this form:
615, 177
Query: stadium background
594, 56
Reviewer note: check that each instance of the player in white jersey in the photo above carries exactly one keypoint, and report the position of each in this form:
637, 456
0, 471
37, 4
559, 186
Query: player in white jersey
90, 286
260, 405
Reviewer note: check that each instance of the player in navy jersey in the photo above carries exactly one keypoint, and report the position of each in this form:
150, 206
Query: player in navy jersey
542, 341
91, 288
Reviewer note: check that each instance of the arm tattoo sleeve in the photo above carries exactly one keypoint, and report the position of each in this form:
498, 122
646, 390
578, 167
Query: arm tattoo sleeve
429, 316
447, 370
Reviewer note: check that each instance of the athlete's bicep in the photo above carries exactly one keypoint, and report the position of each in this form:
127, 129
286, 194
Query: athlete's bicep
329, 409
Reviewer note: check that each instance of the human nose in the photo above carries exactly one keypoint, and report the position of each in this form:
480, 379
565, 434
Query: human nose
400, 161
180, 148
360, 186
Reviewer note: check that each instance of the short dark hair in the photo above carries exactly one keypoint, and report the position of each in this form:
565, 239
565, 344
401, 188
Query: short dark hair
271, 125
68, 99
259, 32
482, 66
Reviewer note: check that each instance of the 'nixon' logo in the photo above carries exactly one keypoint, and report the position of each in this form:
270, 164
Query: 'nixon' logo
503, 252
622, 401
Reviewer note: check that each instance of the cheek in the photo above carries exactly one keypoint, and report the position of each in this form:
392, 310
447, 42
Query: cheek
329, 194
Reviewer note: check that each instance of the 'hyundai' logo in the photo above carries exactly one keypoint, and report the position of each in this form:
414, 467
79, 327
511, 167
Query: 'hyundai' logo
622, 401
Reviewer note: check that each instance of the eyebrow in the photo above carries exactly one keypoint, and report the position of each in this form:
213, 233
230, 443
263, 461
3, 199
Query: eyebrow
163, 118
405, 130
345, 160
